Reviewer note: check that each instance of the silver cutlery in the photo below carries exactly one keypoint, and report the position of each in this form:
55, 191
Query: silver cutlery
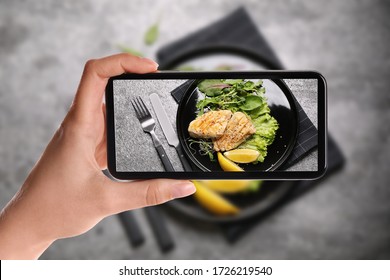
168, 130
148, 124
155, 217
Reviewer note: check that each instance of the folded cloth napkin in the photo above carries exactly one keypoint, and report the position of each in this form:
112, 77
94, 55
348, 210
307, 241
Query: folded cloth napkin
238, 30
235, 30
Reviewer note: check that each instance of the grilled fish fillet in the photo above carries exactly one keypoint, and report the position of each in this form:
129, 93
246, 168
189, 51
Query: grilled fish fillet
210, 125
239, 128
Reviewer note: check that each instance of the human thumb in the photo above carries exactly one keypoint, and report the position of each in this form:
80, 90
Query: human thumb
137, 194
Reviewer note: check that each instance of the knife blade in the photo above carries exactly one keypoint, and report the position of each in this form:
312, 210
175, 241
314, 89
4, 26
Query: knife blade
168, 130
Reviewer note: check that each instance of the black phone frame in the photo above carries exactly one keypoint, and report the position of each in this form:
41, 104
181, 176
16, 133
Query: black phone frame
261, 175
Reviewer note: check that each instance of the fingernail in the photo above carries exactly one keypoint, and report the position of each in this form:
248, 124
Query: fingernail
152, 62
183, 189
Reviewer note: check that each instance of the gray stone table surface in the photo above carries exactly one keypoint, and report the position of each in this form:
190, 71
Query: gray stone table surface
44, 44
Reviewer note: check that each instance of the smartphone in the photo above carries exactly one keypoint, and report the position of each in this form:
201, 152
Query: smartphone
268, 125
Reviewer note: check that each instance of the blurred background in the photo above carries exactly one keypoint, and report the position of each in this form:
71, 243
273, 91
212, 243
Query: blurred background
43, 48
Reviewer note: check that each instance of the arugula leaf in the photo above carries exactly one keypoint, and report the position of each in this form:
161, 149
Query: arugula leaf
212, 87
205, 103
151, 34
263, 109
251, 102
234, 81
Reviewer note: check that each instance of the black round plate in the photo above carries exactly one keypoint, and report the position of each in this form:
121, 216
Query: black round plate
283, 109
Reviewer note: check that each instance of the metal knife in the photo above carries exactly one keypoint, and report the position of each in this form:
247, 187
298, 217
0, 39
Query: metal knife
168, 130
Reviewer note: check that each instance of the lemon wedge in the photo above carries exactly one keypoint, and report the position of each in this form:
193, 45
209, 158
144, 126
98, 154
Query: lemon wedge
227, 165
213, 202
227, 186
242, 155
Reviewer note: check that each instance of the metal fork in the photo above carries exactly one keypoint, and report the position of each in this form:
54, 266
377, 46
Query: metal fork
148, 124
155, 217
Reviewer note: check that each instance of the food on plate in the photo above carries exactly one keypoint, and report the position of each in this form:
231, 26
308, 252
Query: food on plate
242, 155
226, 164
210, 125
233, 114
238, 129
214, 202
266, 127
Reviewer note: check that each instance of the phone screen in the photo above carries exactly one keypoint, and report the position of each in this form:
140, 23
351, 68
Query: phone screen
250, 124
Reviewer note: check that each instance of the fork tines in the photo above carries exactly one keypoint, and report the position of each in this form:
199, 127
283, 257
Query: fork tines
140, 108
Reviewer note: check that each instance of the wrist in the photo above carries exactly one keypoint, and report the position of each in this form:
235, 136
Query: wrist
20, 237
17, 247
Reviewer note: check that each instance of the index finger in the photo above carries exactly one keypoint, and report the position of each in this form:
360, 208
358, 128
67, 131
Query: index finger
96, 73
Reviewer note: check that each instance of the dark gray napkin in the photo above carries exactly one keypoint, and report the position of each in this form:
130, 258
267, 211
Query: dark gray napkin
235, 30
238, 30
307, 138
